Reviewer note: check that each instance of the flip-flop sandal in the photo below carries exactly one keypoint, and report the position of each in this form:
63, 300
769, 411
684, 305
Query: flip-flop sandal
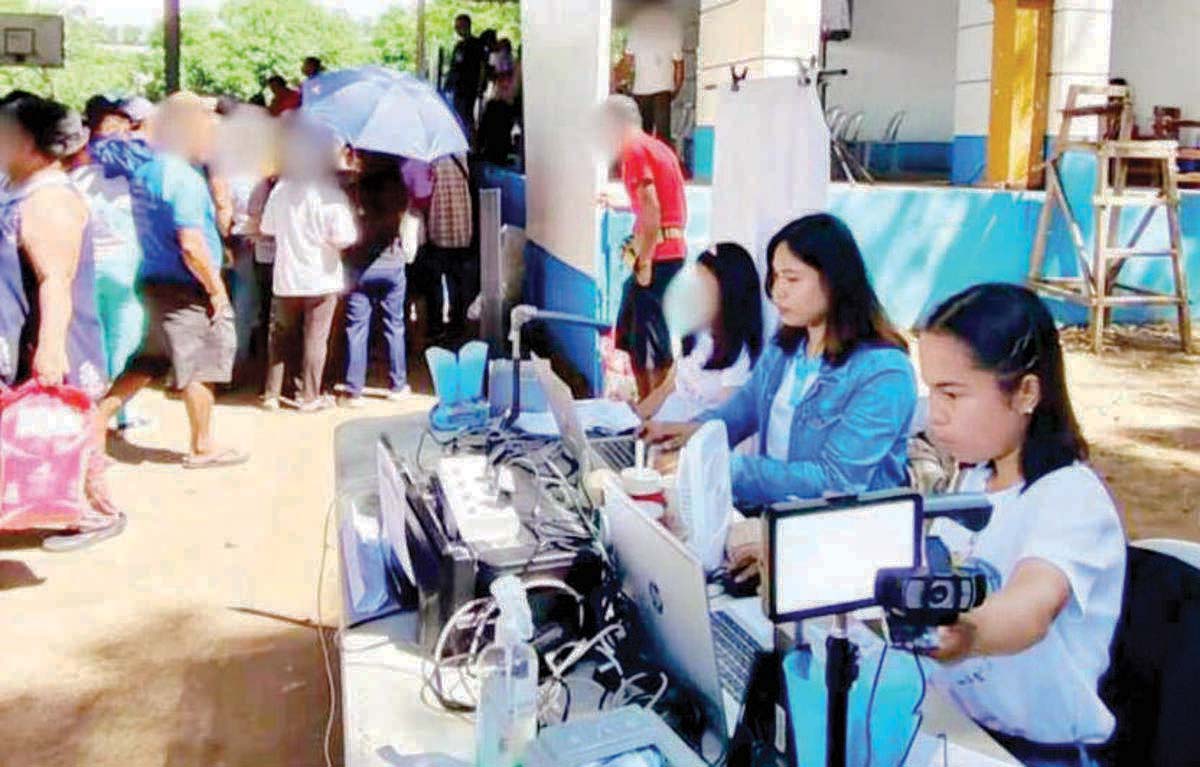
228, 457
82, 540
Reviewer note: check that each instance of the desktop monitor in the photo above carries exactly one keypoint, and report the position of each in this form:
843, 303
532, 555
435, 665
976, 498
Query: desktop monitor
822, 556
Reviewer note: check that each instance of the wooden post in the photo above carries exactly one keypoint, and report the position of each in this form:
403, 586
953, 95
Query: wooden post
422, 64
171, 44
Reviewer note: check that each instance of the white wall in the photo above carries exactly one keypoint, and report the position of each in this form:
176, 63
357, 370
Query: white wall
973, 68
1156, 47
767, 37
566, 49
901, 56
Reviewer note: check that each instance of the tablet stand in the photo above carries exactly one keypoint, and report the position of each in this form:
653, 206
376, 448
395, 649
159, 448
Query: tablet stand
841, 669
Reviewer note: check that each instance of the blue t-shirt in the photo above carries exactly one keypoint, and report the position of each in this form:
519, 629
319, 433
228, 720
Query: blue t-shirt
169, 195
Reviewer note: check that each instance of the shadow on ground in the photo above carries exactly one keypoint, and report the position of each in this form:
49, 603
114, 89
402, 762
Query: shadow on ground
15, 574
243, 695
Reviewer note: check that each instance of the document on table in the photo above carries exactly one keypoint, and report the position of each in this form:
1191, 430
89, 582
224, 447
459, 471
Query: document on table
595, 415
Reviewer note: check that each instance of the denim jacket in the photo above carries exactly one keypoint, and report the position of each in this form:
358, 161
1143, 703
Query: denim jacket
849, 432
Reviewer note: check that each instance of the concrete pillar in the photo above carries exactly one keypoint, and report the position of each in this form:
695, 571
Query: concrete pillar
1080, 50
972, 91
1080, 54
767, 37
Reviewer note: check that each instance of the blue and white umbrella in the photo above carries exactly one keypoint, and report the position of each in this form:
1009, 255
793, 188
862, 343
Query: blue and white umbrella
381, 110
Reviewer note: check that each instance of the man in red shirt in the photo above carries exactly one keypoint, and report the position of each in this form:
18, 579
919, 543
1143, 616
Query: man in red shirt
653, 178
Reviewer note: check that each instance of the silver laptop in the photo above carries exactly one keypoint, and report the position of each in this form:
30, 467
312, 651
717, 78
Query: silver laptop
615, 453
709, 648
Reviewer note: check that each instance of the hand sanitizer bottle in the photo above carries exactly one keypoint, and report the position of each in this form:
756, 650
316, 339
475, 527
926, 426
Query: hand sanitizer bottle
506, 721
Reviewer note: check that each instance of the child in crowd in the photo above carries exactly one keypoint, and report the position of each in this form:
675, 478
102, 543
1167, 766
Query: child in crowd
725, 341
1027, 663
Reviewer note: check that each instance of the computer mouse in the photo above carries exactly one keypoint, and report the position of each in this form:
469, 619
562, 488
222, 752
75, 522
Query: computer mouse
740, 589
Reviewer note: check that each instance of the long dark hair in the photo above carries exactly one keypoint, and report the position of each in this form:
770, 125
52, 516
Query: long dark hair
856, 316
739, 322
1011, 335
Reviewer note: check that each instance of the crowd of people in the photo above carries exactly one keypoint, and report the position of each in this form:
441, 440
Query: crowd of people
483, 82
205, 242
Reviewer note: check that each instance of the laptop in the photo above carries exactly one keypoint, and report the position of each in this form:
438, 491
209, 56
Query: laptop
615, 453
708, 646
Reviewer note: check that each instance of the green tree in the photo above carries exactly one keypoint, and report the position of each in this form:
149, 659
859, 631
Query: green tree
247, 41
395, 37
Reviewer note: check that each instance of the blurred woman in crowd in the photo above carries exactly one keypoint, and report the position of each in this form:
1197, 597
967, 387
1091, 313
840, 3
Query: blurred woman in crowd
49, 329
377, 279
312, 220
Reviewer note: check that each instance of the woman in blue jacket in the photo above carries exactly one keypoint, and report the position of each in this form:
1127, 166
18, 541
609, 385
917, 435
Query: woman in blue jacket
832, 397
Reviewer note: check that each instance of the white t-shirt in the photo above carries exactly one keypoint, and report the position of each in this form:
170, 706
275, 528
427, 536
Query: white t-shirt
311, 223
783, 412
114, 234
656, 43
698, 389
1048, 693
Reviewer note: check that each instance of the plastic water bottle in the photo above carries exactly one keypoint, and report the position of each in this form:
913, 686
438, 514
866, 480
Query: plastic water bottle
506, 721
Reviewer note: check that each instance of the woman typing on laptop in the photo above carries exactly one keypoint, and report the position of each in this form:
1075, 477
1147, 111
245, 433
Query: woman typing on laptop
832, 396
724, 341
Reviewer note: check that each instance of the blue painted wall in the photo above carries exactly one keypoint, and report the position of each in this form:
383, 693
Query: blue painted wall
920, 244
932, 157
968, 162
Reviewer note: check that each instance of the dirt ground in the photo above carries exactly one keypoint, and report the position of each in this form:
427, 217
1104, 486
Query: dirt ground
190, 641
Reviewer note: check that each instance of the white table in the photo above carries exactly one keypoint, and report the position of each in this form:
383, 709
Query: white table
384, 715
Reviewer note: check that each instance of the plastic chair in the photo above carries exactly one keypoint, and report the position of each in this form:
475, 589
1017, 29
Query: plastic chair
1150, 686
1185, 551
853, 127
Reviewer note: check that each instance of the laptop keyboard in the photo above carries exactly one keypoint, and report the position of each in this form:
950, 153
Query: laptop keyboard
618, 454
736, 652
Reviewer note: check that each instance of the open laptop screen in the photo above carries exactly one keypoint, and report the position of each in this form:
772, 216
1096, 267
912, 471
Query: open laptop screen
823, 556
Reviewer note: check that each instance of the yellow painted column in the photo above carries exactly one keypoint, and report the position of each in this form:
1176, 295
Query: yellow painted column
1021, 49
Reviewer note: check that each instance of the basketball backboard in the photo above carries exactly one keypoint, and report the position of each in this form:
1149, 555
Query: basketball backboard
31, 40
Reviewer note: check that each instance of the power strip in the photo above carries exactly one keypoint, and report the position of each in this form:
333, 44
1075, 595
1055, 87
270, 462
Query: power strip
480, 512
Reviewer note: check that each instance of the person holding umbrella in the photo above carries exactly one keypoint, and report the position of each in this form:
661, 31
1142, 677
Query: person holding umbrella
653, 178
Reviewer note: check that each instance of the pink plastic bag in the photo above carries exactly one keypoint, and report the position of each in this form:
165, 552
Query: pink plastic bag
45, 445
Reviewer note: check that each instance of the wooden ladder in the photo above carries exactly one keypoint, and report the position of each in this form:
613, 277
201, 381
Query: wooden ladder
1098, 286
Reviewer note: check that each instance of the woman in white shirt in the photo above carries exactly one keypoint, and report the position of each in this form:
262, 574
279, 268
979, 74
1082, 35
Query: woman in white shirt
726, 307
312, 220
1027, 663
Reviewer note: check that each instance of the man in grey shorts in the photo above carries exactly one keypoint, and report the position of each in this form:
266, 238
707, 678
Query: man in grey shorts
191, 329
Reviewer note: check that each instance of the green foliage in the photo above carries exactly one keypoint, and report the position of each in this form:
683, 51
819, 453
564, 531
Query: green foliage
395, 38
234, 50
250, 40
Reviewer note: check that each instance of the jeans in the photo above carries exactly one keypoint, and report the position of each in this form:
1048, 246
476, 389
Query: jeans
244, 295
381, 285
